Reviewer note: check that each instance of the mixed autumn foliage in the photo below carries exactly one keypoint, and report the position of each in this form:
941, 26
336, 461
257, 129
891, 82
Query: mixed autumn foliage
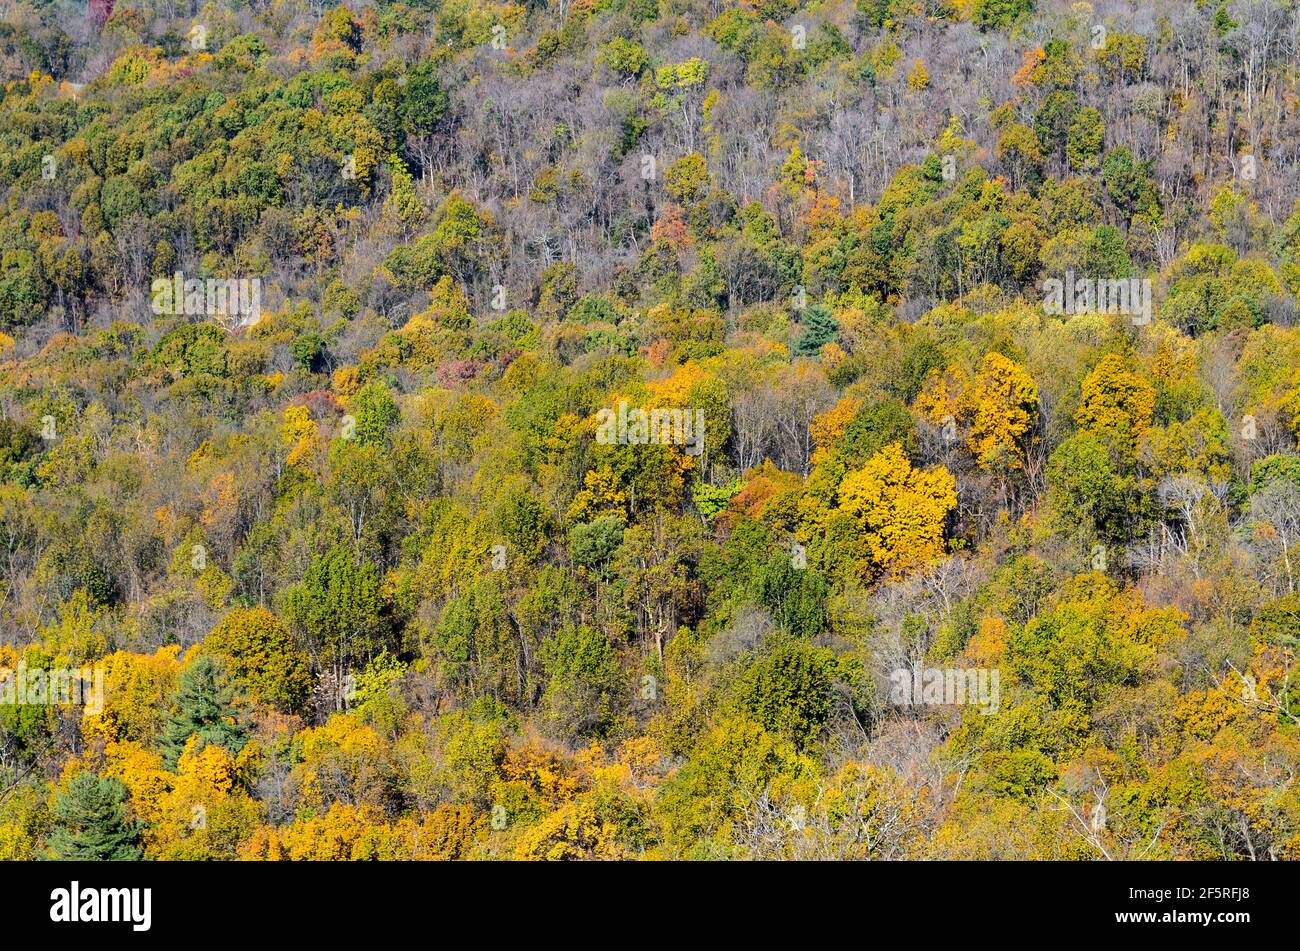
362, 582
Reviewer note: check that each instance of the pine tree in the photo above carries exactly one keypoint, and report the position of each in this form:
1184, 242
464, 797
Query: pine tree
819, 328
203, 705
93, 824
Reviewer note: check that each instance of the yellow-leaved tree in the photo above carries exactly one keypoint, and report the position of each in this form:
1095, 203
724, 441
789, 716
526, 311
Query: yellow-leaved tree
1116, 403
898, 511
997, 409
1003, 410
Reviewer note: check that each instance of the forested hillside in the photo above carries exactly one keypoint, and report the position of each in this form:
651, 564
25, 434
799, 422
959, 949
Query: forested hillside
860, 429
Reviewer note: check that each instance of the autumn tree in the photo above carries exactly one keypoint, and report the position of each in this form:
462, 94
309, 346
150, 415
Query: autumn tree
897, 513
256, 653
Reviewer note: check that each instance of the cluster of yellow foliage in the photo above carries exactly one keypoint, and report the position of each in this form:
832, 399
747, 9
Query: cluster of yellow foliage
1116, 402
899, 512
998, 408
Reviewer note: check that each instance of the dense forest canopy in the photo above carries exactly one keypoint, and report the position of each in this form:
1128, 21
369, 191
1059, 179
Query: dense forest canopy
650, 428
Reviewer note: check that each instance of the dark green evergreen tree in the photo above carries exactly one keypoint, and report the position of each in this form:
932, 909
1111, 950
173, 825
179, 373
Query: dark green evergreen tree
203, 705
819, 328
92, 823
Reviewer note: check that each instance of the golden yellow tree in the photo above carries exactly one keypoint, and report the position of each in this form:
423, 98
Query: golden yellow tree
998, 409
299, 436
1003, 409
899, 512
1116, 402
829, 427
